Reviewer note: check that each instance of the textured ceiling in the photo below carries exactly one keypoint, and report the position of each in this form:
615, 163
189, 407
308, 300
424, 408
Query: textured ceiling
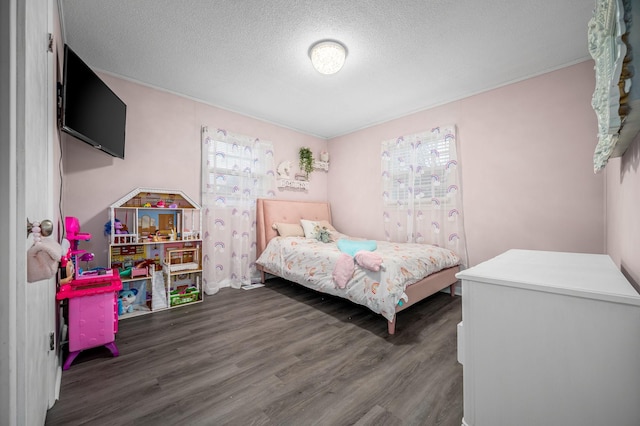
250, 56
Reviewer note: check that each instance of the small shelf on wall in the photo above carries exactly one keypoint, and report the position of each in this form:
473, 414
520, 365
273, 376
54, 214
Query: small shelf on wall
301, 185
321, 165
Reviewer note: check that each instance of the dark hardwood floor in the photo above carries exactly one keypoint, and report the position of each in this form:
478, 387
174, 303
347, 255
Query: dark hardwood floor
276, 355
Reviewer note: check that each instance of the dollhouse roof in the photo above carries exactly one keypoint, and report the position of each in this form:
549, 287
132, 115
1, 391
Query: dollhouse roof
139, 196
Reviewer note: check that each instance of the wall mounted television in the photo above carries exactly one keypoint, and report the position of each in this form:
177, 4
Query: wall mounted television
91, 111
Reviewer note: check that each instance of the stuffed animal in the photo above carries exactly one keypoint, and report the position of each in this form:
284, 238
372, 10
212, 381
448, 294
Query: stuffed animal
126, 299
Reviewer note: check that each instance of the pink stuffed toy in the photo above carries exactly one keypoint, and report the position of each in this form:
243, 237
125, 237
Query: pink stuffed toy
343, 271
369, 260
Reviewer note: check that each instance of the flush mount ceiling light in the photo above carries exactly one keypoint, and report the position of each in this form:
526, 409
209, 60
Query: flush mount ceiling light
327, 56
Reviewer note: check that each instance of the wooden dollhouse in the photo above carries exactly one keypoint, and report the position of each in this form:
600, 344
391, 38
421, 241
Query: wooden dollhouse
156, 245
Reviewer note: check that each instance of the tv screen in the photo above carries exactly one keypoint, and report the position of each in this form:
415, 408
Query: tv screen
90, 110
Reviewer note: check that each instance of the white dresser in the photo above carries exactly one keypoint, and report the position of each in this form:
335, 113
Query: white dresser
549, 339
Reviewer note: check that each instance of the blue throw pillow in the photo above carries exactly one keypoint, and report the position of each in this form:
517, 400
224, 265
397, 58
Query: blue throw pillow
351, 247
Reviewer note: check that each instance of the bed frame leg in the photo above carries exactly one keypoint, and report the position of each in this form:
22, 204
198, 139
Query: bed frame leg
391, 326
452, 289
262, 277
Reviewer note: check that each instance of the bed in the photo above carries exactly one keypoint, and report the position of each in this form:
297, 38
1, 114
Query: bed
311, 263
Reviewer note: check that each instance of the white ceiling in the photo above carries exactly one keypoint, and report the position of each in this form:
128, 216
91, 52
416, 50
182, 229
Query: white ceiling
250, 56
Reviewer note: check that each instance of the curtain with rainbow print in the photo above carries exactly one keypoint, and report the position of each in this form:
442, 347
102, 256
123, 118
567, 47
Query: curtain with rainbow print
236, 170
422, 199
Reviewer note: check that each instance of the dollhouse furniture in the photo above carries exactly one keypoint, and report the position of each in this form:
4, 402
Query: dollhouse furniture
163, 233
549, 338
92, 314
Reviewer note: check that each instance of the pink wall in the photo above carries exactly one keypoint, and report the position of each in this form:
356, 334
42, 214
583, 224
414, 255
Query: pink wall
623, 205
162, 151
526, 154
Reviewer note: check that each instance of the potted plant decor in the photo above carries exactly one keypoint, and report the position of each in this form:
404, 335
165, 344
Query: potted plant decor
306, 160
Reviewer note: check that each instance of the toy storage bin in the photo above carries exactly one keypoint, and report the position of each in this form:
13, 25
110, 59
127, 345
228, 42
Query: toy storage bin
92, 314
92, 321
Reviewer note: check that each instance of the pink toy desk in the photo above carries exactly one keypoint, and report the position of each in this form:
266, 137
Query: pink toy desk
93, 313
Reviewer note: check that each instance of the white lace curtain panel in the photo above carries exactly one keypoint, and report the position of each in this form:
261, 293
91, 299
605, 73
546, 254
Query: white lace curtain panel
422, 195
236, 170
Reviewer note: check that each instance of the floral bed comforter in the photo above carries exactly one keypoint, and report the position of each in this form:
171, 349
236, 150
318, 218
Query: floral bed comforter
311, 263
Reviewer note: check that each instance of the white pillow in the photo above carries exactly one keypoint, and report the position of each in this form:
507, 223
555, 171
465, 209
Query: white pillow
309, 228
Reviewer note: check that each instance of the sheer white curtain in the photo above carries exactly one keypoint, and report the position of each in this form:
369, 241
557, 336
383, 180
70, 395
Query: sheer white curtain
236, 170
421, 190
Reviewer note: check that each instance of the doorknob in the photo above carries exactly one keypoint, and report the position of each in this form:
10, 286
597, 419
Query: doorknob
44, 228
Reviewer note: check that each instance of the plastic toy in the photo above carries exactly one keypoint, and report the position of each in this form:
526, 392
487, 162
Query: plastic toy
118, 227
126, 298
160, 204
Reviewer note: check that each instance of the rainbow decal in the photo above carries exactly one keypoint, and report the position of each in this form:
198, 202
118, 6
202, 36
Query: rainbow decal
219, 267
435, 152
451, 164
270, 173
271, 193
449, 137
220, 201
435, 179
385, 175
205, 259
247, 150
234, 255
219, 223
253, 244
385, 216
399, 141
244, 256
453, 212
235, 234
435, 130
386, 155
269, 153
247, 170
234, 276
220, 155
221, 178
436, 227
409, 213
218, 246
245, 235
206, 235
385, 195
235, 189
452, 189
234, 146
247, 191
207, 140
222, 131
453, 238
398, 225
435, 201
419, 215
419, 170
246, 214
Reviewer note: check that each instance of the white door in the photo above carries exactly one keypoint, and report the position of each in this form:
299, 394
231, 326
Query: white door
28, 365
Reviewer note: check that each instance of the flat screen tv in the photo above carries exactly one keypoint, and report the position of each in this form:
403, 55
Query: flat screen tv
91, 111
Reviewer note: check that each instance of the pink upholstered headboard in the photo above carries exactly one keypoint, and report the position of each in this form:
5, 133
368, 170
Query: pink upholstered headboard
270, 211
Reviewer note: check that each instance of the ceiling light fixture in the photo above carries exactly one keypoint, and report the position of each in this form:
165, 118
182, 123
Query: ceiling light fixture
327, 56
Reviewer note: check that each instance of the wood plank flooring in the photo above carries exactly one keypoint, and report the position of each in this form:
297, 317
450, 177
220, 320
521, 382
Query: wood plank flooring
276, 355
